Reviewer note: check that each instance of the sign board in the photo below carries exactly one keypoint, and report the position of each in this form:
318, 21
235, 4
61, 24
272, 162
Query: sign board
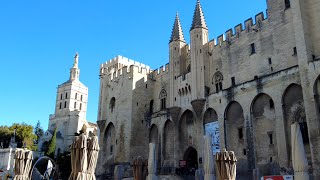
212, 129
288, 177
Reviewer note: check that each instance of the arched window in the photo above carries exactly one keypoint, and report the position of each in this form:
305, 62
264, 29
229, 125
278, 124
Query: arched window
163, 97
217, 80
112, 103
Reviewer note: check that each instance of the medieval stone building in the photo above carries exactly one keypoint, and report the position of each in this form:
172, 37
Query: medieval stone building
250, 84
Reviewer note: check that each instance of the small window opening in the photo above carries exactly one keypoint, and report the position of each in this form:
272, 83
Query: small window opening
269, 60
75, 105
253, 48
60, 105
270, 159
81, 97
271, 69
76, 96
200, 50
163, 103
151, 107
233, 81
287, 4
112, 104
295, 51
66, 95
271, 104
240, 133
175, 99
111, 149
137, 104
65, 104
244, 152
80, 107
61, 97
270, 138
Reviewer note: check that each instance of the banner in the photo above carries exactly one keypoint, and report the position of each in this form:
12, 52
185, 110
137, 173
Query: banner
212, 129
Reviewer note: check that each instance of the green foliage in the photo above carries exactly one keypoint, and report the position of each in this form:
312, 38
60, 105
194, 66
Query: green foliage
52, 145
24, 134
38, 131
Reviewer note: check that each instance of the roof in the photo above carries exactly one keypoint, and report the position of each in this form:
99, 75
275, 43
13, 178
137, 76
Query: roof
198, 18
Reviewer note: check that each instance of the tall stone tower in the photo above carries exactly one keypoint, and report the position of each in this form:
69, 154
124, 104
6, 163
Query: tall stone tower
70, 111
176, 43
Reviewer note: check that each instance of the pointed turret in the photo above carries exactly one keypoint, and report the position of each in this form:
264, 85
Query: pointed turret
198, 18
177, 34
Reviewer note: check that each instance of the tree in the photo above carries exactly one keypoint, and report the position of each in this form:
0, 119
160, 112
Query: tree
23, 134
52, 145
38, 131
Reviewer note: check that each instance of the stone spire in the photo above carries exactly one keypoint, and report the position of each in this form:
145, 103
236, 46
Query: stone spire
177, 34
198, 18
75, 71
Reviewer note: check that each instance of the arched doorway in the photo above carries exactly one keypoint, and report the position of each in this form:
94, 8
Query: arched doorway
191, 157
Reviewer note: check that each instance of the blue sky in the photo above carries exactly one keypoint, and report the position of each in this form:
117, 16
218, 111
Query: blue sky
38, 40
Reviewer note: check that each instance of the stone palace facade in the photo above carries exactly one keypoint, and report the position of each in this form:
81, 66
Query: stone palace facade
250, 84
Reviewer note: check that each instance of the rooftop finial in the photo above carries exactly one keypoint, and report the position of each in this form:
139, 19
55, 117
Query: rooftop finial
198, 18
76, 59
177, 34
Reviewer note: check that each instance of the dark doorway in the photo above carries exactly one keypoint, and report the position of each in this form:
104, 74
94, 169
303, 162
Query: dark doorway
191, 158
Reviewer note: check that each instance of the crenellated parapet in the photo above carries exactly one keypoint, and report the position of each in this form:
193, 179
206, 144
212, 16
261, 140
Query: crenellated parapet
120, 67
232, 35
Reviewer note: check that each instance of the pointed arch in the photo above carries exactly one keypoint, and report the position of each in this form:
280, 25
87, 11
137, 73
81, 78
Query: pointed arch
210, 115
110, 139
235, 134
168, 144
264, 128
186, 130
293, 109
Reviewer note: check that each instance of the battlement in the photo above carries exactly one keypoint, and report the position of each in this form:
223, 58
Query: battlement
239, 30
162, 70
119, 61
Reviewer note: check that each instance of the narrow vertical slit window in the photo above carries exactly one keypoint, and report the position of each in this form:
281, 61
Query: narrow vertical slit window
287, 4
233, 81
253, 48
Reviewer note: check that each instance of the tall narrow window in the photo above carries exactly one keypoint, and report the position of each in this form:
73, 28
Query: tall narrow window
162, 97
270, 138
80, 107
60, 105
61, 97
295, 51
75, 105
287, 4
81, 97
271, 104
233, 81
253, 48
65, 104
151, 107
240, 133
66, 95
76, 96
112, 103
270, 61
